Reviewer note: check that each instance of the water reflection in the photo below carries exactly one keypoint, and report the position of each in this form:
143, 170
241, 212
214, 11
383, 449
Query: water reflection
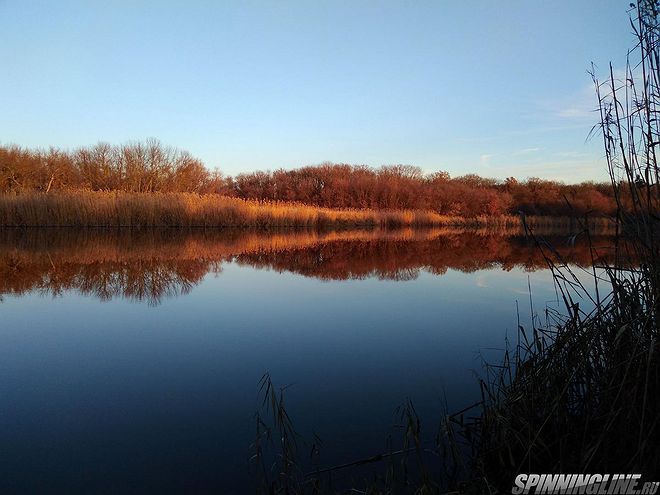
146, 400
147, 266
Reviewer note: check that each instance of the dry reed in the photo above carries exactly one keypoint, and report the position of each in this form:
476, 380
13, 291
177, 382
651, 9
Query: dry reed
142, 210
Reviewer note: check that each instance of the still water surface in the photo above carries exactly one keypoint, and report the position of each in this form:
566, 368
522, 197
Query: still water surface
130, 361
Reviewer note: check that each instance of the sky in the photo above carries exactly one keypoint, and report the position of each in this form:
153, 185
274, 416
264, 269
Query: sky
498, 88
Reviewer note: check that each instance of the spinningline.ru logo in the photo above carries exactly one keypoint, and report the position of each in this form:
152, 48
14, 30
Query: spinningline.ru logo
596, 484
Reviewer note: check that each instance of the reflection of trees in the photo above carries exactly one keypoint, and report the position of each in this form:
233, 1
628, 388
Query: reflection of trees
403, 259
148, 280
151, 265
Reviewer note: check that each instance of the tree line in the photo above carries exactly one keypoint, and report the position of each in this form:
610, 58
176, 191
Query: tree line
152, 167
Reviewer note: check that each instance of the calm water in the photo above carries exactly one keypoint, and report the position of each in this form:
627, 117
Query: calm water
130, 362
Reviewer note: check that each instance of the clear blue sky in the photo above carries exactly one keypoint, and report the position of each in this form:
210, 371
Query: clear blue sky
494, 87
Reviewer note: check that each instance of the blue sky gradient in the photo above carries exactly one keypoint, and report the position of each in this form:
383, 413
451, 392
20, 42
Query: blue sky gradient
498, 88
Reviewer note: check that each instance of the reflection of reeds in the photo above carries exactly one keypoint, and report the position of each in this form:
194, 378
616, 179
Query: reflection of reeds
120, 209
146, 265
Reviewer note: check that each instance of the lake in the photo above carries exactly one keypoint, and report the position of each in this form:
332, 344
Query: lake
130, 360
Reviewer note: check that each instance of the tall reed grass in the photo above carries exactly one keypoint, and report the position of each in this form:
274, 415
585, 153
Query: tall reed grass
140, 210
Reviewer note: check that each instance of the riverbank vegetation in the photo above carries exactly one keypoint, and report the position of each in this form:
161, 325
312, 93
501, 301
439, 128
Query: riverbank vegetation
144, 210
150, 167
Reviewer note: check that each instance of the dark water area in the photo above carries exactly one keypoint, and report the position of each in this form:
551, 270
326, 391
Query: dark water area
130, 361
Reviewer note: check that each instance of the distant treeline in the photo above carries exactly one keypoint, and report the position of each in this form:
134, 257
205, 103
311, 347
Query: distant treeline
151, 167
